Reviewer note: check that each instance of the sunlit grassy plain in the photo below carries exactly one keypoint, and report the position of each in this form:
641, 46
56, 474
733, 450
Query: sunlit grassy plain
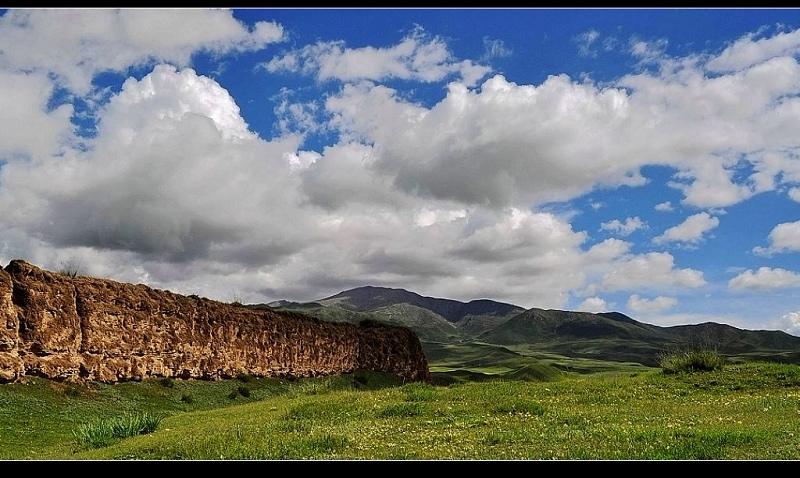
742, 411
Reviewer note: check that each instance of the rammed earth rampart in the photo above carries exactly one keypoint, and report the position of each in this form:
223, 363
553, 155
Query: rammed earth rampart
84, 329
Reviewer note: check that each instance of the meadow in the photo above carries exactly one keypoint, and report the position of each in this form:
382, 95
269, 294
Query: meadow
735, 411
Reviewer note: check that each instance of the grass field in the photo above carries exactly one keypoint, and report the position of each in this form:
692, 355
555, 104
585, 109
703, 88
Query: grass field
746, 411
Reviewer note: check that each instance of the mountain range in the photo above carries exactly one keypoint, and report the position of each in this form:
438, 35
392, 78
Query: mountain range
500, 329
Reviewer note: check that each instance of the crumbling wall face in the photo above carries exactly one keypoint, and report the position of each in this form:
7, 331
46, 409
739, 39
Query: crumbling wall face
394, 350
47, 325
11, 365
85, 328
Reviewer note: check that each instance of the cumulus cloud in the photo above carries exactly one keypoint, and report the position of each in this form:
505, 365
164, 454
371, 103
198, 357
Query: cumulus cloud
630, 225
691, 230
765, 278
174, 173
519, 234
437, 153
649, 270
725, 153
28, 127
417, 57
607, 251
749, 51
710, 185
784, 237
75, 45
658, 304
789, 323
526, 130
594, 305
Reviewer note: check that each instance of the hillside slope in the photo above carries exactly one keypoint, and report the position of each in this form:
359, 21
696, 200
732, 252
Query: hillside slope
610, 336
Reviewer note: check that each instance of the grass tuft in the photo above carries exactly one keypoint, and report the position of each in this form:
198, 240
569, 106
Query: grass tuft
699, 359
72, 268
419, 392
105, 432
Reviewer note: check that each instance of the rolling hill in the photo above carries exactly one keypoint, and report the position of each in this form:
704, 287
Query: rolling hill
443, 324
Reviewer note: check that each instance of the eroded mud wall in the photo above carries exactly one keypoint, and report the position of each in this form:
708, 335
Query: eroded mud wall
83, 328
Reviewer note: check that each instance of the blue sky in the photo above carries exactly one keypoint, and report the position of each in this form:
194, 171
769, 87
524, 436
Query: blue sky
641, 161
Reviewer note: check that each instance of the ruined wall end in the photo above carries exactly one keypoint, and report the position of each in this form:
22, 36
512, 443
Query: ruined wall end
83, 328
11, 366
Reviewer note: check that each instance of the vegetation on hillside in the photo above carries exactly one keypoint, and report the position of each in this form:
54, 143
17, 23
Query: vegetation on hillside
443, 324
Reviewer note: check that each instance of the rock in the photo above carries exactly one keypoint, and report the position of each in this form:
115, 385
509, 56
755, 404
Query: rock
83, 329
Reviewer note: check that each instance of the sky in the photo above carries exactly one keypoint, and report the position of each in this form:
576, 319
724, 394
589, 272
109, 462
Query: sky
639, 161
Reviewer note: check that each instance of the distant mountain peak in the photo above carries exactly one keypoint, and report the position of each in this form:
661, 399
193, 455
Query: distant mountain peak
611, 336
368, 298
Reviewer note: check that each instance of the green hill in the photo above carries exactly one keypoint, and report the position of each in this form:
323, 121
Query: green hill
495, 337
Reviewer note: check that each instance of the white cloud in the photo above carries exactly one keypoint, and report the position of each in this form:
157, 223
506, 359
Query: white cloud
643, 305
710, 185
518, 234
681, 119
765, 278
725, 149
526, 130
655, 269
630, 225
594, 305
77, 44
442, 196
784, 237
27, 126
691, 230
789, 323
495, 48
748, 51
416, 57
169, 96
343, 175
586, 42
607, 251
426, 216
648, 51
165, 178
664, 206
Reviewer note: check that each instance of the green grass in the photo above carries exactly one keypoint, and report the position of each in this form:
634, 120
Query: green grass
743, 411
504, 361
692, 360
107, 431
